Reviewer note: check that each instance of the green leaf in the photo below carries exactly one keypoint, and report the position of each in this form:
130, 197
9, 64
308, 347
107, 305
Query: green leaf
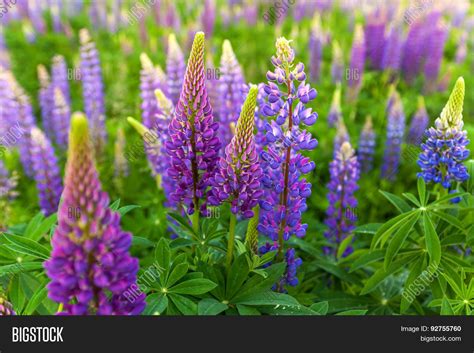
184, 222
445, 198
142, 242
27, 246
370, 228
210, 306
193, 287
401, 205
382, 273
20, 267
267, 298
352, 313
176, 274
422, 191
432, 241
344, 244
162, 254
287, 310
238, 273
450, 219
321, 308
33, 225
367, 259
38, 297
43, 228
399, 238
408, 295
389, 227
185, 305
115, 205
336, 271
412, 198
125, 209
446, 308
245, 310
17, 294
156, 304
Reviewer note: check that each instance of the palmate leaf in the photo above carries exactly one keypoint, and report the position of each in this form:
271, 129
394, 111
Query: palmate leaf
343, 246
414, 272
399, 238
446, 308
163, 254
354, 312
38, 297
421, 186
238, 273
321, 308
185, 305
401, 205
370, 228
27, 246
412, 198
211, 306
368, 258
193, 287
245, 310
389, 227
42, 228
433, 245
156, 304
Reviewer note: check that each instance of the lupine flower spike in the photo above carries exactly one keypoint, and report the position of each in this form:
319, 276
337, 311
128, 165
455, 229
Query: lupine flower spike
61, 117
232, 91
443, 153
356, 65
175, 68
93, 90
193, 144
344, 173
121, 162
45, 99
282, 162
149, 82
90, 266
395, 134
8, 193
59, 76
238, 179
342, 135
337, 64
46, 172
316, 48
419, 123
335, 113
366, 150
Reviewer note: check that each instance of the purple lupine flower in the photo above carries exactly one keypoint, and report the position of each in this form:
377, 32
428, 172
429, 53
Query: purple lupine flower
282, 162
171, 18
6, 308
337, 64
251, 12
56, 16
175, 68
35, 13
418, 124
395, 133
342, 135
90, 267
61, 115
434, 54
149, 82
45, 98
392, 52
260, 120
238, 178
340, 216
93, 90
366, 150
59, 76
374, 33
335, 113
232, 90
461, 51
316, 48
208, 17
121, 168
8, 184
413, 51
4, 53
357, 63
212, 85
46, 172
443, 153
193, 144
8, 110
26, 121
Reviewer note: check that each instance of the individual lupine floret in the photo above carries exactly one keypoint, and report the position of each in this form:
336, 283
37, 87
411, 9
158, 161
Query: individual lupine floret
6, 308
419, 123
366, 150
232, 90
395, 134
357, 63
46, 172
316, 48
193, 143
90, 267
444, 151
61, 115
45, 98
374, 33
335, 113
59, 76
344, 174
175, 68
337, 64
282, 162
93, 90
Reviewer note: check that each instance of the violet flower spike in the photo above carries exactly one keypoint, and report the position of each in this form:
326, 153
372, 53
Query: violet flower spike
337, 64
335, 113
90, 268
357, 63
61, 115
45, 98
175, 68
366, 150
316, 48
418, 124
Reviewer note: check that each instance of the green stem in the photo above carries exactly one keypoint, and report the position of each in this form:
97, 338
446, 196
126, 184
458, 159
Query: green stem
196, 221
230, 244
